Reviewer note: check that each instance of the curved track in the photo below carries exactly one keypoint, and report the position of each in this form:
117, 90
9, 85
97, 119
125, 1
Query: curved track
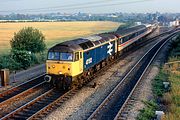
117, 99
43, 104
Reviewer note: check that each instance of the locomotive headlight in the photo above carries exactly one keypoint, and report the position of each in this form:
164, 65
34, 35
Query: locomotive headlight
53, 66
60, 72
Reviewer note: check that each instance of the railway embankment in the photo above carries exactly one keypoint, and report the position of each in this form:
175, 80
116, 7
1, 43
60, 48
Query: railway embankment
165, 85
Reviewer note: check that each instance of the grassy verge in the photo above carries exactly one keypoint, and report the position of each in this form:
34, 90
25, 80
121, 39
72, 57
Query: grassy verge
167, 99
172, 98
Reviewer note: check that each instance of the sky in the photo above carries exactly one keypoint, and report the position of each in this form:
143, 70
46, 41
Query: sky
88, 6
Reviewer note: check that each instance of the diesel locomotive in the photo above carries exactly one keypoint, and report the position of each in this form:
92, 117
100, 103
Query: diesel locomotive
72, 63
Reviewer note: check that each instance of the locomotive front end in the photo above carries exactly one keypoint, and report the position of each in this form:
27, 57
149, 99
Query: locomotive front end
64, 63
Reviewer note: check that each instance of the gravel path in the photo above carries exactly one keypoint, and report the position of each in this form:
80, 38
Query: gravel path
87, 99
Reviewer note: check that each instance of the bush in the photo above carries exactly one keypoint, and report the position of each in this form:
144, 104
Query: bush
158, 87
20, 60
7, 61
22, 57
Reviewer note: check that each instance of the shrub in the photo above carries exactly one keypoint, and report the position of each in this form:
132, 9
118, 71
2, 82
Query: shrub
7, 61
22, 57
157, 84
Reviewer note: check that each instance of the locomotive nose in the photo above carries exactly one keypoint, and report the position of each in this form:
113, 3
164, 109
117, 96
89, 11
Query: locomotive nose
47, 78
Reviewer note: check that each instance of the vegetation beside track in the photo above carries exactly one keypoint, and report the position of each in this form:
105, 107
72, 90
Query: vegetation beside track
167, 99
148, 112
172, 98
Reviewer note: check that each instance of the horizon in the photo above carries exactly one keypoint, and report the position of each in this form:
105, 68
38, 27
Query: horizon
92, 7
94, 13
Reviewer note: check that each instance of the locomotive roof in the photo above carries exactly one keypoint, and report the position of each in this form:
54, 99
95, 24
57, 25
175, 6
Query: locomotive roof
82, 43
123, 32
97, 39
68, 46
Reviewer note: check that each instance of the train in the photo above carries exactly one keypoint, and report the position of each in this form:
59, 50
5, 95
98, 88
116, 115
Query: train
72, 63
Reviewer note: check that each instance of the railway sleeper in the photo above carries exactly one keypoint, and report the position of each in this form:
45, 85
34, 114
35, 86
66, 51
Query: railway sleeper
30, 111
25, 114
17, 117
21, 116
50, 100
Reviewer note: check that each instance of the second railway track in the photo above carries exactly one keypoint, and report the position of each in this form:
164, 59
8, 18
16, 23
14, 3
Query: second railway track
113, 106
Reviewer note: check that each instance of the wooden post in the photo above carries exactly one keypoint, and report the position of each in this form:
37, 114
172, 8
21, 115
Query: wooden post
4, 77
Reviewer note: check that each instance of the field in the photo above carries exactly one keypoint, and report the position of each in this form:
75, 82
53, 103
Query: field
54, 32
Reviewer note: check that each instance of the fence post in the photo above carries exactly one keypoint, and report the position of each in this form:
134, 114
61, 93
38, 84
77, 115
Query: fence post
4, 77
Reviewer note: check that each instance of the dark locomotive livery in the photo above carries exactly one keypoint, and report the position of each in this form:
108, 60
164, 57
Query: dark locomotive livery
72, 63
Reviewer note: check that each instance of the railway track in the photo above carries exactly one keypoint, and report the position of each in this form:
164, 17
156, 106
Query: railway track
45, 110
10, 102
123, 112
25, 111
20, 88
41, 105
115, 104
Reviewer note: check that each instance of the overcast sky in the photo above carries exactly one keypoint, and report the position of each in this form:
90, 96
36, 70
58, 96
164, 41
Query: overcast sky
88, 6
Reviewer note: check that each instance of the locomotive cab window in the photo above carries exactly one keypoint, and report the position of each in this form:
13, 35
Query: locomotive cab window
53, 56
76, 56
66, 56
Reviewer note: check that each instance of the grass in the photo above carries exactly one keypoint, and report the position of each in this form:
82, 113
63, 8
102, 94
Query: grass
169, 98
148, 112
174, 98
157, 84
55, 32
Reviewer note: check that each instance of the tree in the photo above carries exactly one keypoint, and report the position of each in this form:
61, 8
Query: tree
28, 39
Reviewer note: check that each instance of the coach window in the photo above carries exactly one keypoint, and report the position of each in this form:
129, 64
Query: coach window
76, 56
121, 40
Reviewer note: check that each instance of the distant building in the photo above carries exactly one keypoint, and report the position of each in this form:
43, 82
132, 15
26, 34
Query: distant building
138, 23
174, 23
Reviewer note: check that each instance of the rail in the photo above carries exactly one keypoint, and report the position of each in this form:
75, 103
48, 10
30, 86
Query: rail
110, 106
